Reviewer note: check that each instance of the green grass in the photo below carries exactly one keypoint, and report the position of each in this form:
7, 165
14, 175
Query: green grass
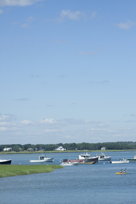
67, 151
15, 170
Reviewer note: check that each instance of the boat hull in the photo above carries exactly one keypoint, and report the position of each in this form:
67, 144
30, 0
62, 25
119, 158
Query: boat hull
90, 161
104, 159
66, 164
132, 160
87, 159
121, 173
41, 161
69, 162
4, 162
120, 162
37, 161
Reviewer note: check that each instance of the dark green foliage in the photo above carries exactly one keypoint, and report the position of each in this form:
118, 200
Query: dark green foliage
71, 146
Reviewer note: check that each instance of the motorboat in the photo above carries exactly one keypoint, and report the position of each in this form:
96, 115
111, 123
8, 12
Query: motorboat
42, 158
132, 159
86, 158
67, 162
4, 161
123, 161
103, 157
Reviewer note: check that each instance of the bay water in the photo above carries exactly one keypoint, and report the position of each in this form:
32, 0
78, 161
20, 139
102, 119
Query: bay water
83, 184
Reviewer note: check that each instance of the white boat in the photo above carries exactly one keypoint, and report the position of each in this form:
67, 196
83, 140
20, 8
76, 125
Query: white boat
4, 161
103, 157
67, 162
84, 156
123, 161
42, 159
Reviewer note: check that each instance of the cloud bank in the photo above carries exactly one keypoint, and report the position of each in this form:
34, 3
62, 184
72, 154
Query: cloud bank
50, 130
17, 2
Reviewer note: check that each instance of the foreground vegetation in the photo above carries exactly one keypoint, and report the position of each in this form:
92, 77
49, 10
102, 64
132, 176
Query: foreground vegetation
15, 170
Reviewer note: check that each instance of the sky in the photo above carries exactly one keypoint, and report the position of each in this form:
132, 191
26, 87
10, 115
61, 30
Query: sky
67, 71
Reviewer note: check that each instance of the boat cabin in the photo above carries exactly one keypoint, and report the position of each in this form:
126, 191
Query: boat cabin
42, 157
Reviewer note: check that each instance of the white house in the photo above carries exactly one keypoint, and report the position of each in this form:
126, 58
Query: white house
60, 148
103, 148
7, 149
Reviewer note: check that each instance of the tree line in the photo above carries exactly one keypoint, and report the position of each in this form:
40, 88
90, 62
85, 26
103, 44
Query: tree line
71, 146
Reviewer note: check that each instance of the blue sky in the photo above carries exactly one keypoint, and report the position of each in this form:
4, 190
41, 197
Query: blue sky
67, 71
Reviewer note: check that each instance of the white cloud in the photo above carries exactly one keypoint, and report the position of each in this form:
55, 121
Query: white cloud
126, 25
7, 123
75, 15
71, 15
5, 117
49, 130
53, 130
26, 122
2, 129
8, 126
48, 121
4, 123
17, 2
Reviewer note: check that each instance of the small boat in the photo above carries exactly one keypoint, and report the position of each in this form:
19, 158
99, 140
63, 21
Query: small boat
42, 159
123, 161
132, 159
67, 162
103, 157
4, 161
121, 172
87, 159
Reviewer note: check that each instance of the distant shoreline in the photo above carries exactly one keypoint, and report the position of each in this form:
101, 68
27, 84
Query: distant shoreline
68, 147
66, 151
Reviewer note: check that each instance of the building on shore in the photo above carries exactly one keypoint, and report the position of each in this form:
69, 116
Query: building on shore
60, 148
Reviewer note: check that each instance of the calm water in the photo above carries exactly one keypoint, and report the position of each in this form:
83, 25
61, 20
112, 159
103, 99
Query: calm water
89, 184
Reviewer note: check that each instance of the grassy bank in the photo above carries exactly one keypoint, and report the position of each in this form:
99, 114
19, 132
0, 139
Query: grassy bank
15, 170
67, 151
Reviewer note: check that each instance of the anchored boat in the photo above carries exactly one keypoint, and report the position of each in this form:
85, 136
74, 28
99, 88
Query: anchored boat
42, 159
87, 159
103, 157
4, 161
133, 159
123, 161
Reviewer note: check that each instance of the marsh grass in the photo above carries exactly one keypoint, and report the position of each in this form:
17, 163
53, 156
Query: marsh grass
15, 170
